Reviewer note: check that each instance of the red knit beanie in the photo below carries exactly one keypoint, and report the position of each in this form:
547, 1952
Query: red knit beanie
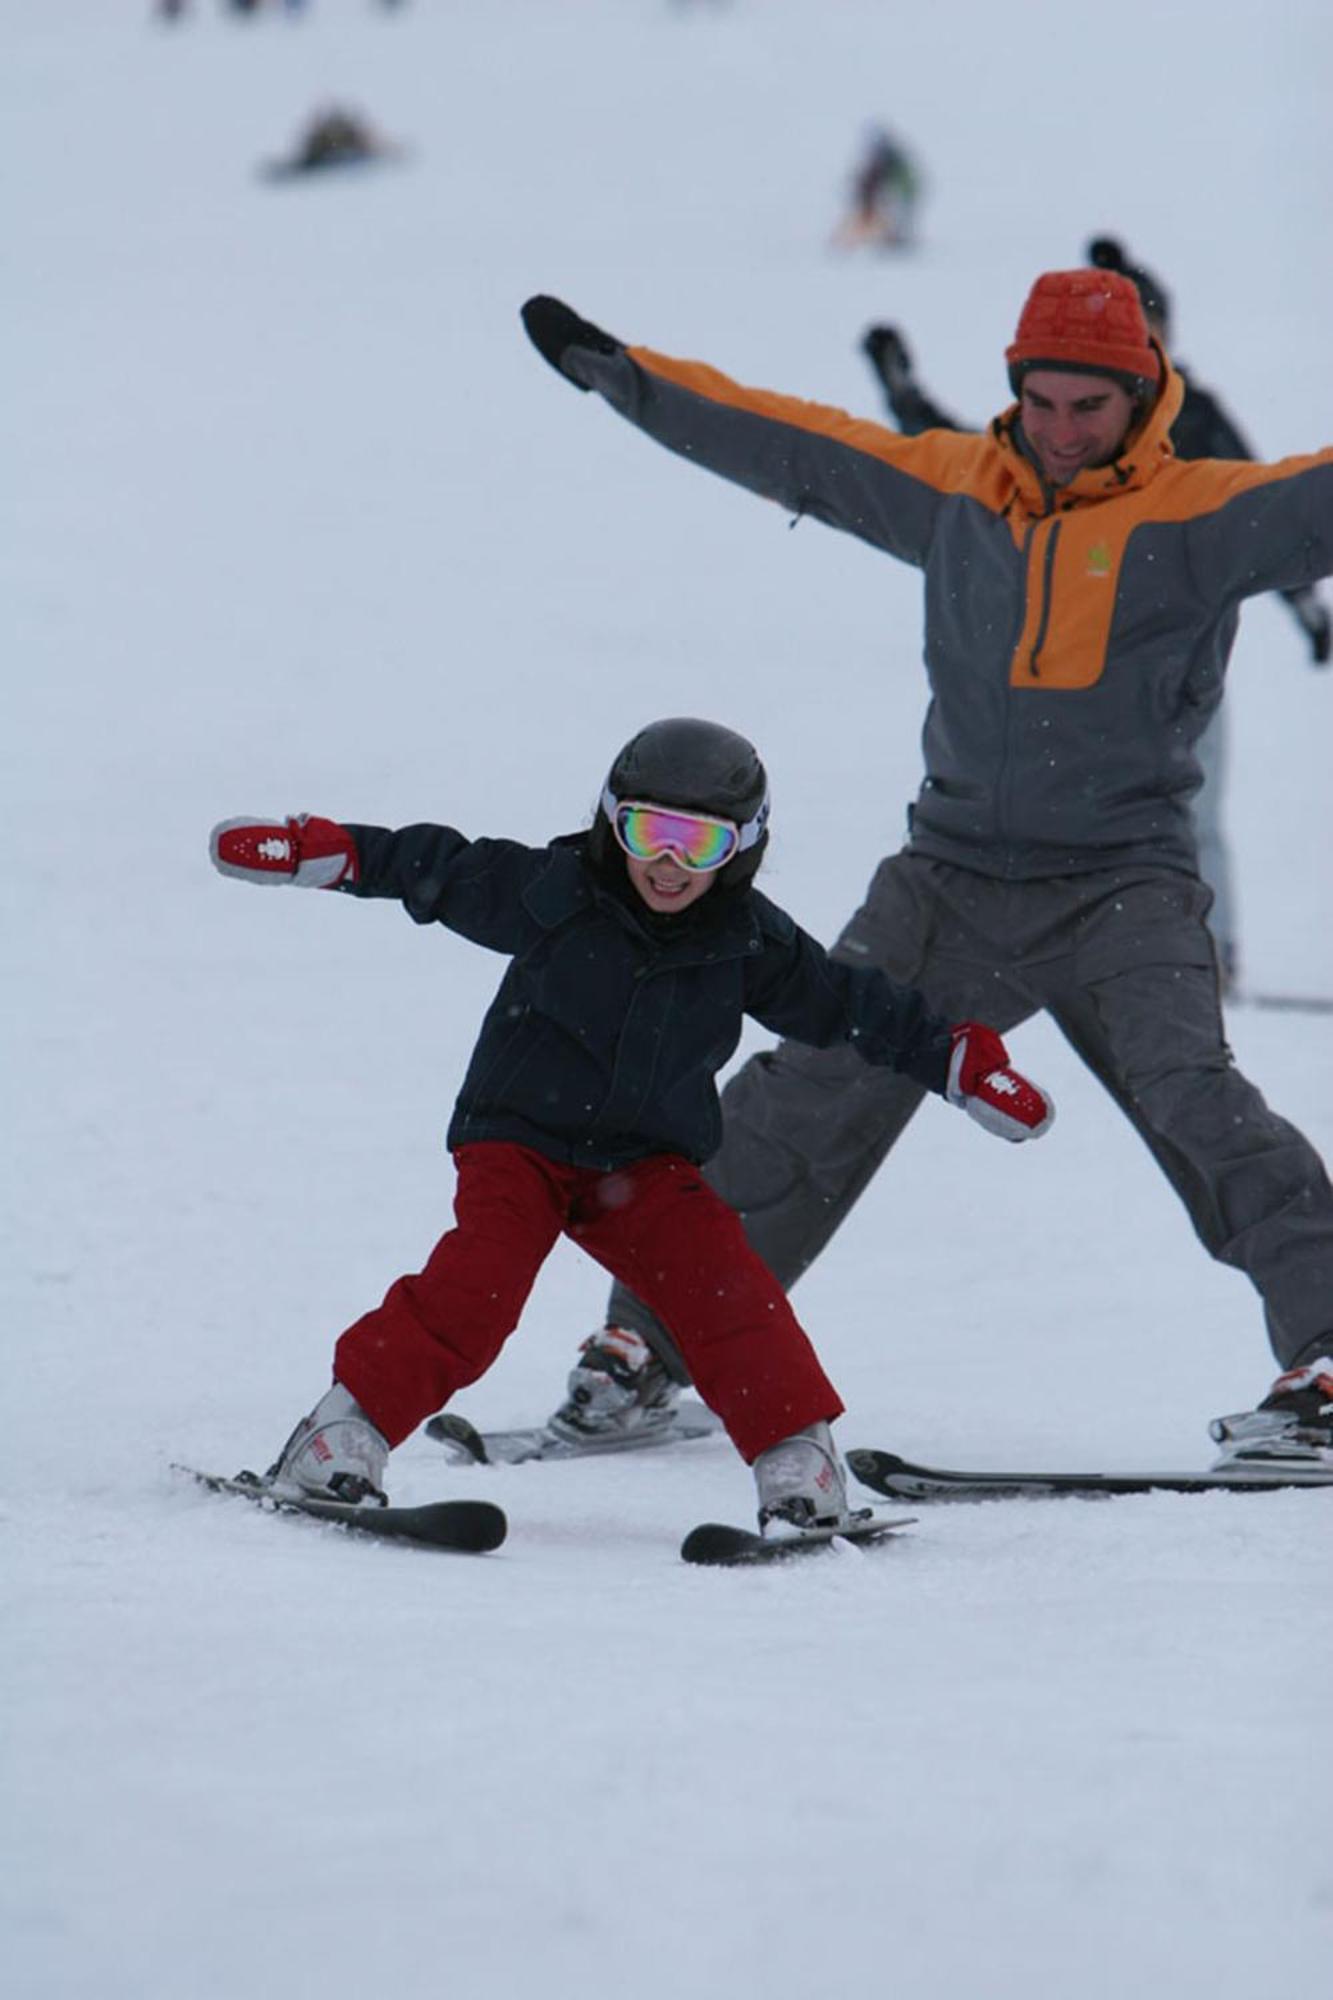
1084, 321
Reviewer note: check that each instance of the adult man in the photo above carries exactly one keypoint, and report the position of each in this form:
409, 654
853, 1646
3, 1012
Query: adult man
1202, 429
1082, 592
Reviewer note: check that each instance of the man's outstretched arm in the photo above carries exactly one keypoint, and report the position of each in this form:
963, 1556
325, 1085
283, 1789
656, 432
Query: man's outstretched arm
810, 458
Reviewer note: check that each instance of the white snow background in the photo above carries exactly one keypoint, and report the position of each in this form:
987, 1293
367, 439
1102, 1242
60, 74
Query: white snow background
295, 518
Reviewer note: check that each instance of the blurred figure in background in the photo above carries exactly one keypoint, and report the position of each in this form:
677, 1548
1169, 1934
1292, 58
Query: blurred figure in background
175, 10
885, 193
1203, 429
334, 137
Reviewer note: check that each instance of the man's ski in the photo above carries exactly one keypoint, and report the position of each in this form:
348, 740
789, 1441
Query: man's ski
898, 1479
1286, 1003
718, 1546
466, 1445
470, 1527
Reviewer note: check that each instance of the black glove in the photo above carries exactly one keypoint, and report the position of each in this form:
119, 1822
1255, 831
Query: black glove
886, 351
1317, 625
554, 330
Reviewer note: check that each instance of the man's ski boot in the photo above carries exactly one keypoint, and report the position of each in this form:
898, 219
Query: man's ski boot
801, 1484
335, 1454
1294, 1422
618, 1385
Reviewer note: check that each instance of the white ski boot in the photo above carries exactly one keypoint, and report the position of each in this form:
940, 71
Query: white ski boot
618, 1385
1293, 1424
801, 1484
335, 1453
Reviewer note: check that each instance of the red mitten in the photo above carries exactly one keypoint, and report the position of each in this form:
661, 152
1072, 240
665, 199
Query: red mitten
982, 1084
312, 853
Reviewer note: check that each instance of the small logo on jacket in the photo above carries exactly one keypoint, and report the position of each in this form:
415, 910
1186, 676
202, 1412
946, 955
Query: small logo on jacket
1099, 560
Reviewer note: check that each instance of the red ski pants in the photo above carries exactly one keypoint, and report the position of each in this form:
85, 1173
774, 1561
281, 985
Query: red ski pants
656, 1226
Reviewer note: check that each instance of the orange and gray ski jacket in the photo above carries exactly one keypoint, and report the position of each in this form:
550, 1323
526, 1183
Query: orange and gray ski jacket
1075, 639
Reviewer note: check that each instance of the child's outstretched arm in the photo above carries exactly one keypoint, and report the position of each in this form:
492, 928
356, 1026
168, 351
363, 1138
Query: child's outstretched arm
312, 853
474, 887
798, 990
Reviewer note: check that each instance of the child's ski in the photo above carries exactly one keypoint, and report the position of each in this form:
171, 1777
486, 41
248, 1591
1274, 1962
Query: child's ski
470, 1527
898, 1479
718, 1546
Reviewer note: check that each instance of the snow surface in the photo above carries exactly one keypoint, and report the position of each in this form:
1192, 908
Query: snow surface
295, 518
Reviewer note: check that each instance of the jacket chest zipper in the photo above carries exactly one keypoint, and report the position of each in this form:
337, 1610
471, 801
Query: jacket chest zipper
1044, 601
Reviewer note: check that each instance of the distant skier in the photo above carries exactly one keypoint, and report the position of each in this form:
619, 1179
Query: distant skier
333, 137
637, 950
885, 192
1203, 429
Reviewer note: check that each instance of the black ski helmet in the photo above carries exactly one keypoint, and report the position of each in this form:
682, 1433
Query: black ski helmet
698, 765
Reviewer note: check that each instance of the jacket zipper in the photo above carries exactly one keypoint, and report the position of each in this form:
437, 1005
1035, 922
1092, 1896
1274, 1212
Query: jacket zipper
1002, 774
1033, 660
1044, 621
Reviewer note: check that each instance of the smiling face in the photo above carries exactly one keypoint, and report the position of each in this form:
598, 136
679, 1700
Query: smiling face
1073, 421
664, 885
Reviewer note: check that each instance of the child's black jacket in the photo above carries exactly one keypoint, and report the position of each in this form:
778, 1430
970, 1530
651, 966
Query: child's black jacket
605, 1037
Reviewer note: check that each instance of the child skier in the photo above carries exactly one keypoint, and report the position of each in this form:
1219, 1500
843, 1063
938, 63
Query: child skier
636, 950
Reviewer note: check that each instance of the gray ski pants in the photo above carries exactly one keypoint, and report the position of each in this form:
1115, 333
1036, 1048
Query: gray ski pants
1123, 962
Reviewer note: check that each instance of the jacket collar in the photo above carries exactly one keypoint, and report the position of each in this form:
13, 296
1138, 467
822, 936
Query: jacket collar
566, 885
719, 927
1144, 452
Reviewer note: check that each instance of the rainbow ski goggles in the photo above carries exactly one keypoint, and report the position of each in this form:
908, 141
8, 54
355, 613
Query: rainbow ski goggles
698, 841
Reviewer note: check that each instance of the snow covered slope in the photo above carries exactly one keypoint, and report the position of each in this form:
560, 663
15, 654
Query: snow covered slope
295, 518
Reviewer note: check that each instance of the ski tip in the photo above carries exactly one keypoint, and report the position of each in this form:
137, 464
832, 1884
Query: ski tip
718, 1545
477, 1525
868, 1466
461, 1439
714, 1543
